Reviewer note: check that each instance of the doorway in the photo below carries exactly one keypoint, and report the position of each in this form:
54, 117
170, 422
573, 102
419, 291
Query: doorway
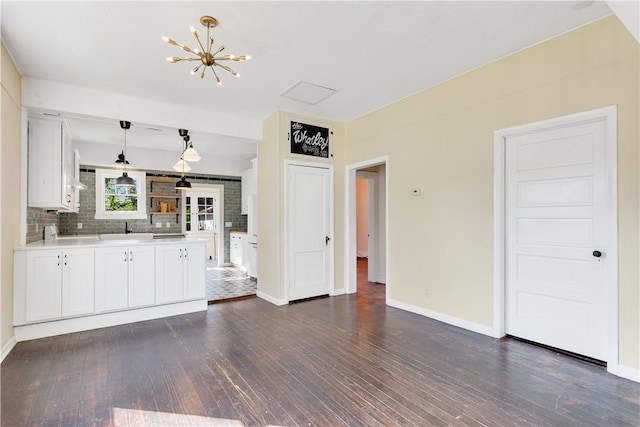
555, 247
372, 175
309, 230
202, 218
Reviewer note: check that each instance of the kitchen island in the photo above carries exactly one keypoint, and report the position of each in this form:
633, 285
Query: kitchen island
75, 284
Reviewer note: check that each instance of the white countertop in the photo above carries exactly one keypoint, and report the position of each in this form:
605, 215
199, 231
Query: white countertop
95, 241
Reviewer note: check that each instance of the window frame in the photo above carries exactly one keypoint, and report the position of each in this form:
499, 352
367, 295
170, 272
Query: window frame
139, 177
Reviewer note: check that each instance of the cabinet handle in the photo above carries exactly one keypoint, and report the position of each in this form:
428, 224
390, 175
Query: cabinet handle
58, 260
180, 253
186, 254
125, 256
65, 259
130, 255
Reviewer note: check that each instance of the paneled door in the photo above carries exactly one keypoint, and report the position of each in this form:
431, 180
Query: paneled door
309, 236
557, 237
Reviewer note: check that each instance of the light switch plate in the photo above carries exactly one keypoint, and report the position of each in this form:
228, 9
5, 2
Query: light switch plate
158, 225
168, 224
228, 224
79, 226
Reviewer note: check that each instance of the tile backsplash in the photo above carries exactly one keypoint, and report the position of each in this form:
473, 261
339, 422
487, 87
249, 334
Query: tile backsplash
68, 222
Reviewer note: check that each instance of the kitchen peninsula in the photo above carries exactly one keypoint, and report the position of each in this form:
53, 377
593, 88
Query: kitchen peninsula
76, 284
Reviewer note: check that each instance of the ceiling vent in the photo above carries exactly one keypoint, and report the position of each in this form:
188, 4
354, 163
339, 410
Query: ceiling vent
308, 93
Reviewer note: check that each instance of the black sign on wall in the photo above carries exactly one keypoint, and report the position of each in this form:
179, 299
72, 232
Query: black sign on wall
309, 140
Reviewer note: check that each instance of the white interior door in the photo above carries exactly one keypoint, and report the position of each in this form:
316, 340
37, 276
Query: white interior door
557, 237
309, 238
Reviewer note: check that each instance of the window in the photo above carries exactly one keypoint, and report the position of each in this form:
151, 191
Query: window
200, 212
118, 202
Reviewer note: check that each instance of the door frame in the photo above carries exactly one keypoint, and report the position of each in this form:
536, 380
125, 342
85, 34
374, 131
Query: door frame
350, 269
609, 115
287, 198
372, 223
209, 188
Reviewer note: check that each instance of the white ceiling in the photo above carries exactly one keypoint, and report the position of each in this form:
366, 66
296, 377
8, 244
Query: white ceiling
372, 53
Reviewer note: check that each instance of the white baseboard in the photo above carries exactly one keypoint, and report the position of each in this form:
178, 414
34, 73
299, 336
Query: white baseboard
336, 292
362, 254
381, 279
445, 318
6, 349
78, 324
629, 373
271, 299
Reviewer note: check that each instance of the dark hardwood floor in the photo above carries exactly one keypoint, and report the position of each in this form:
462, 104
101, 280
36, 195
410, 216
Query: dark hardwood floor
346, 360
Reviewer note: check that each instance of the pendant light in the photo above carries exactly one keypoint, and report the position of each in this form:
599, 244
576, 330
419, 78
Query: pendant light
183, 184
181, 165
189, 154
125, 180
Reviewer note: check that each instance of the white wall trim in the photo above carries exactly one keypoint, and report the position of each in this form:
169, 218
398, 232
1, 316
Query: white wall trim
7, 347
77, 324
350, 273
441, 317
336, 292
609, 114
272, 300
628, 372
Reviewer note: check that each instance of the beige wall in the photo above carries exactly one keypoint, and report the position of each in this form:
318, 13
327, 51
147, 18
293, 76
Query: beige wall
442, 141
10, 197
273, 152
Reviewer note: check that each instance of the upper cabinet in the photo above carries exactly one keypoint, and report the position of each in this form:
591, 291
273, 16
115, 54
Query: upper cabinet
249, 186
50, 158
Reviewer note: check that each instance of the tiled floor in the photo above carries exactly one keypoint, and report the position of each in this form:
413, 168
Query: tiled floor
228, 282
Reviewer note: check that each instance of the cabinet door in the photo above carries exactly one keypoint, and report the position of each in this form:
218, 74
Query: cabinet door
112, 265
169, 275
142, 284
45, 163
78, 274
194, 271
43, 285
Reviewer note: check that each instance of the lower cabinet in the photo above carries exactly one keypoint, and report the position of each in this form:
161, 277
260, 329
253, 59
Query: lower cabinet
237, 249
124, 277
80, 287
180, 272
58, 283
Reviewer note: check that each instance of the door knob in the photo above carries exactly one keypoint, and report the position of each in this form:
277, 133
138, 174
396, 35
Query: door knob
326, 240
597, 254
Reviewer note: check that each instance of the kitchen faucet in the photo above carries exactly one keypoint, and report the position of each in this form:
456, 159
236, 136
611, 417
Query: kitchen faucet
126, 228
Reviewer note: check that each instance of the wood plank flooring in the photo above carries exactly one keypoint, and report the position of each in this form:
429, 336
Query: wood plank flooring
346, 360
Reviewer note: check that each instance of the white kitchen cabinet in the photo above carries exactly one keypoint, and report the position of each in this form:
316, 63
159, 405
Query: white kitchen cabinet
237, 248
124, 277
59, 283
73, 166
49, 160
249, 186
180, 272
142, 283
78, 270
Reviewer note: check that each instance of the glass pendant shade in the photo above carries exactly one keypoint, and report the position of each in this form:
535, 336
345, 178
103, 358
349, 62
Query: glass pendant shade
183, 184
191, 154
181, 166
125, 180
